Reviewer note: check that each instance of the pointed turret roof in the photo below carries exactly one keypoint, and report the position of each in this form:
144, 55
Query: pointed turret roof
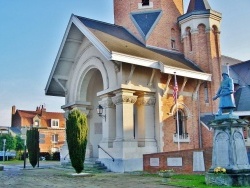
198, 5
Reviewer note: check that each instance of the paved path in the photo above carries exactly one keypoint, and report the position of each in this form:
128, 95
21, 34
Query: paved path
52, 175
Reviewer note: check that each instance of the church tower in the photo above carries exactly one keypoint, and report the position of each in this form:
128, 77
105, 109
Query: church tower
153, 22
200, 33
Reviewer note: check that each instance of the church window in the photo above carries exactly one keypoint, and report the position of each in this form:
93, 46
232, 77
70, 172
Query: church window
145, 2
188, 30
201, 28
216, 39
173, 44
206, 92
181, 128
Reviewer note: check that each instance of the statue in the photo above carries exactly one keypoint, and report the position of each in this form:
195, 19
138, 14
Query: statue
225, 93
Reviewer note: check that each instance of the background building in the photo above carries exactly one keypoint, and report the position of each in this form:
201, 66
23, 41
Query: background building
51, 126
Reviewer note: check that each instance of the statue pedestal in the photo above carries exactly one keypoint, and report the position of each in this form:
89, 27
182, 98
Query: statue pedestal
229, 151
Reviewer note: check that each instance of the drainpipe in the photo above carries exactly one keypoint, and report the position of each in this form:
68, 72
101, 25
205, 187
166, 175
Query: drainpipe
199, 119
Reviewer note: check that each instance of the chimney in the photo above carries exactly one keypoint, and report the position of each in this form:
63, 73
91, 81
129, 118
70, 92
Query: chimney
13, 109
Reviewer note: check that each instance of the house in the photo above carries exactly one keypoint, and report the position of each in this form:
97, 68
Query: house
130, 68
51, 126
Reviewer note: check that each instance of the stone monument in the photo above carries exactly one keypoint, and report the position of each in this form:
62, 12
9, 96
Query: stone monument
229, 150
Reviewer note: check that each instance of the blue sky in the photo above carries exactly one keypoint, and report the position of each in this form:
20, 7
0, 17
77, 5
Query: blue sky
32, 30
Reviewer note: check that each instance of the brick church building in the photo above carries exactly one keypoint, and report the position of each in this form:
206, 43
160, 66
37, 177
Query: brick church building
129, 68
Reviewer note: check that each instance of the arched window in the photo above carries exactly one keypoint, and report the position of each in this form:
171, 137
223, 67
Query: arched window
173, 44
201, 28
188, 30
216, 39
180, 127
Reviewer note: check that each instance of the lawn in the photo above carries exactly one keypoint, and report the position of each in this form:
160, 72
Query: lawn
191, 181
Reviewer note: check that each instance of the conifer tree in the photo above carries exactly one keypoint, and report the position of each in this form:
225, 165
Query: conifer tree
76, 133
33, 145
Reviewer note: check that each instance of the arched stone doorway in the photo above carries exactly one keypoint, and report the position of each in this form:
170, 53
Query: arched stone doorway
90, 85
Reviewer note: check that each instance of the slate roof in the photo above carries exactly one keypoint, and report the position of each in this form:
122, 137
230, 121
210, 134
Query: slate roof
117, 38
206, 119
198, 5
243, 70
242, 98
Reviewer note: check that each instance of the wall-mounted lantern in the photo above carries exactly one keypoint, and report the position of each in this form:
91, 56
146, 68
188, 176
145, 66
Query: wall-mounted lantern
99, 110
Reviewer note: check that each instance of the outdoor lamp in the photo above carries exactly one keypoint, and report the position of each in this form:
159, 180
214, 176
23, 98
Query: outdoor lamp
99, 110
4, 143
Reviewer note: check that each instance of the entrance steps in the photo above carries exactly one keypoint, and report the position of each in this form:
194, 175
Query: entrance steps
92, 164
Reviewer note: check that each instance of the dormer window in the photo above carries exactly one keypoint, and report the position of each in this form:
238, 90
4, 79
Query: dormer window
36, 123
145, 2
54, 123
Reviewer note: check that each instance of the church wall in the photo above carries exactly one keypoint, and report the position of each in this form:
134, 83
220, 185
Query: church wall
190, 106
170, 11
207, 137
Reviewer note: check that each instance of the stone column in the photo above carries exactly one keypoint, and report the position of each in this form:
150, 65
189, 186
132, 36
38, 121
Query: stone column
124, 101
146, 120
108, 123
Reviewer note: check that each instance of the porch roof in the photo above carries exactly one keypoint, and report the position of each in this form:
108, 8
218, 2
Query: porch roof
117, 44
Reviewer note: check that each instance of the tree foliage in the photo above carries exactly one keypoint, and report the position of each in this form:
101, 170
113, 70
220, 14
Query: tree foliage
19, 146
76, 133
10, 143
33, 145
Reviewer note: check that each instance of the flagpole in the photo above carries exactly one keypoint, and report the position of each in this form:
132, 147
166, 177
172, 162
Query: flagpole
177, 115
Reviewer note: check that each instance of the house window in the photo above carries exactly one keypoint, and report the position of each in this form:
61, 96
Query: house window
41, 138
36, 123
145, 2
180, 124
54, 138
55, 123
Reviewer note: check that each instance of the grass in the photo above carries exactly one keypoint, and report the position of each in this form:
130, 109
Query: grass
189, 181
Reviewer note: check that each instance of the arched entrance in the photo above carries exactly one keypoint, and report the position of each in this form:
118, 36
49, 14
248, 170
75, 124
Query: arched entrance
91, 84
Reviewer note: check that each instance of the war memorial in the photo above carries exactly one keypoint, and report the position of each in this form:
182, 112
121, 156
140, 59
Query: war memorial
229, 150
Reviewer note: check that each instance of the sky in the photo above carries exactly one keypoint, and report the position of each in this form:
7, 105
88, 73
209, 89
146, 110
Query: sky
31, 32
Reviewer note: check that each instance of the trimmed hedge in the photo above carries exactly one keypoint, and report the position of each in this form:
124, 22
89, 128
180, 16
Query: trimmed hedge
76, 134
33, 145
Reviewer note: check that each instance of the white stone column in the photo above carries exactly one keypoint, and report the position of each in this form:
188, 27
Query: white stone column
108, 123
124, 101
146, 120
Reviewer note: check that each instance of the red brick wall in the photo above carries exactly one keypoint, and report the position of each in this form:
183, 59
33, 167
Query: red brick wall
171, 10
48, 145
187, 161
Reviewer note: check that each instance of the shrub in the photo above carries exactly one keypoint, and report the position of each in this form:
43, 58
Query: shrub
33, 145
76, 134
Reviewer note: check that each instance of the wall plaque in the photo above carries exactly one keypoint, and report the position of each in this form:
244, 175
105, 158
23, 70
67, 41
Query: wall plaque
174, 161
154, 162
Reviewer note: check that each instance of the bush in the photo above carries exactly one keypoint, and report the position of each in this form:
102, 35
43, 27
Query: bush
33, 145
76, 133
56, 156
46, 155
